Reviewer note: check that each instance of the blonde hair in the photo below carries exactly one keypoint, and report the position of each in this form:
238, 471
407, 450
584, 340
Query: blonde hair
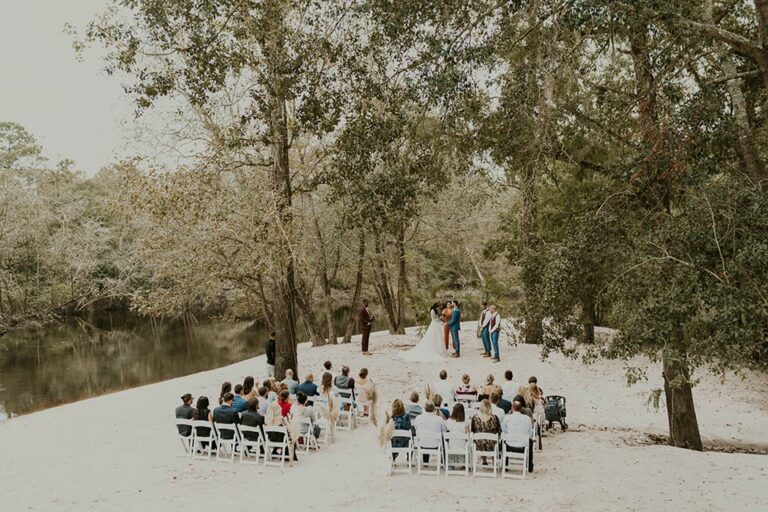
484, 409
533, 389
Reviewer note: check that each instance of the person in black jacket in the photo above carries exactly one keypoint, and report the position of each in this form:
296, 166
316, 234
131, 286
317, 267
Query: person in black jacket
184, 412
252, 418
225, 413
271, 355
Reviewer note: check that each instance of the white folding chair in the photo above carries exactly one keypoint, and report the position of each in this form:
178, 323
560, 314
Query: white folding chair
186, 441
250, 449
456, 449
306, 440
477, 453
431, 444
346, 419
405, 453
516, 458
276, 449
203, 444
226, 443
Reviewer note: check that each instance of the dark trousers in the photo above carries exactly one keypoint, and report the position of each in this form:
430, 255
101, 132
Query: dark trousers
522, 450
366, 337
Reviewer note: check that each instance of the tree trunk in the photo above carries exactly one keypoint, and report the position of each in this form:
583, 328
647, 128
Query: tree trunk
683, 426
588, 320
310, 320
402, 281
532, 329
285, 287
383, 288
358, 288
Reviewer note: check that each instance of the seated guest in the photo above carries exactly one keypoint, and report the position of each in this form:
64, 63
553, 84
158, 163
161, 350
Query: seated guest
202, 413
185, 412
328, 367
225, 413
486, 391
442, 411
225, 388
402, 421
308, 387
508, 387
263, 400
301, 410
429, 422
498, 411
240, 404
344, 382
252, 418
272, 390
486, 422
290, 382
465, 392
284, 401
443, 387
504, 405
519, 399
249, 389
275, 418
326, 387
519, 425
457, 422
413, 409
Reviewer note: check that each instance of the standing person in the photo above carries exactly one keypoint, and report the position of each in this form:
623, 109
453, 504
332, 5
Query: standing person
455, 325
366, 322
271, 355
494, 328
447, 310
482, 328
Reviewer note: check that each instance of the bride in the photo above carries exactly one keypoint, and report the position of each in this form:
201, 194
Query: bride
431, 348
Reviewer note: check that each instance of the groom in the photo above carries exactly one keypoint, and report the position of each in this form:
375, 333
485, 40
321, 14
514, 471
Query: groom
455, 326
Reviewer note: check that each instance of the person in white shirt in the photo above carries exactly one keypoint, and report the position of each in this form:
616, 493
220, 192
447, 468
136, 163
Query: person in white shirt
429, 422
485, 318
443, 388
508, 389
518, 425
494, 329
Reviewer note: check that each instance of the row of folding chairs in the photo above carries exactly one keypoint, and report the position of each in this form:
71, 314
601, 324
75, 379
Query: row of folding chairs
227, 441
455, 452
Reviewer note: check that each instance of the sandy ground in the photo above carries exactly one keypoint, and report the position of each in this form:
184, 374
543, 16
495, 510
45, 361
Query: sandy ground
120, 452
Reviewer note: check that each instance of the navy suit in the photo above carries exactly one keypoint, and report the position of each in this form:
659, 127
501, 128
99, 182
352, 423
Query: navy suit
455, 326
308, 388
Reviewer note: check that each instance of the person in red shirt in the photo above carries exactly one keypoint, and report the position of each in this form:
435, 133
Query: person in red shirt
284, 401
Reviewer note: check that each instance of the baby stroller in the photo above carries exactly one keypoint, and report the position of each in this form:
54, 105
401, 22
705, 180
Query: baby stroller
554, 411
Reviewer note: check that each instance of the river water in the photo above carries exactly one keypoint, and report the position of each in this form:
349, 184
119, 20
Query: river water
91, 356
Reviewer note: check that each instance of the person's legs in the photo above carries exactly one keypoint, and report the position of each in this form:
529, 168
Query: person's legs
518, 449
270, 370
495, 343
486, 341
456, 342
365, 338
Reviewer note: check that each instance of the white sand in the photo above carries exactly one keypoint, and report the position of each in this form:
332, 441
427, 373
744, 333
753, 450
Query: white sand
119, 452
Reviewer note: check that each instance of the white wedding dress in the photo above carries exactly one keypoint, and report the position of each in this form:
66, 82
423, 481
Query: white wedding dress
431, 348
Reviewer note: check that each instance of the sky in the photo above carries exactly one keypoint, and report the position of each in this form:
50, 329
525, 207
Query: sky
72, 108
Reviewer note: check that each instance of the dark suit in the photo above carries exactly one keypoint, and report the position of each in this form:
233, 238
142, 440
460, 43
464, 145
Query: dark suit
251, 419
226, 414
366, 322
308, 388
505, 405
184, 412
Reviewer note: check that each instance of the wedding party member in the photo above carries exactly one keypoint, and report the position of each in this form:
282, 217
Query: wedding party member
455, 326
240, 404
519, 425
185, 412
366, 323
271, 355
290, 382
227, 414
494, 328
447, 311
485, 317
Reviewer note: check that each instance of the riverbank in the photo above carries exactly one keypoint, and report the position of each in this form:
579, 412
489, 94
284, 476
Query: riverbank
118, 452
